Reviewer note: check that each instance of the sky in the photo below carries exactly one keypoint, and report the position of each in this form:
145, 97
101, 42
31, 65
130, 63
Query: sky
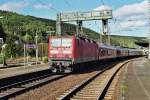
130, 17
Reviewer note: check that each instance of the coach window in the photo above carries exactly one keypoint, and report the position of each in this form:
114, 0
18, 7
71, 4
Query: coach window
107, 52
104, 52
78, 42
101, 52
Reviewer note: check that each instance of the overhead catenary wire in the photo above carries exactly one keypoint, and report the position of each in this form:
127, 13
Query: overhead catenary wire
102, 2
117, 22
50, 7
67, 3
120, 20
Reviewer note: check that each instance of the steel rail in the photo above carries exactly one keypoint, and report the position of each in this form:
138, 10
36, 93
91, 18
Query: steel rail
21, 87
72, 92
23, 82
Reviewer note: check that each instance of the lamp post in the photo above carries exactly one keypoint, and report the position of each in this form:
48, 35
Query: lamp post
1, 39
36, 37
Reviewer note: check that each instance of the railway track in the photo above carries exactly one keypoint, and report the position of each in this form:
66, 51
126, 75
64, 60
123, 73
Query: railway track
95, 87
17, 88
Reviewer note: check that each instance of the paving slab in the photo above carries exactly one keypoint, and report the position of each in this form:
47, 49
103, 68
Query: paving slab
137, 81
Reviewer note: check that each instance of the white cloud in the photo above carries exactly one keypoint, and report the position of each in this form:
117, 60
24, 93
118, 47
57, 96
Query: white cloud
13, 6
132, 24
131, 9
40, 6
129, 17
103, 7
137, 17
132, 16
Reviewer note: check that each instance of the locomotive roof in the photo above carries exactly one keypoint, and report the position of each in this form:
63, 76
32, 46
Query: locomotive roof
135, 49
99, 44
106, 46
77, 36
63, 36
86, 38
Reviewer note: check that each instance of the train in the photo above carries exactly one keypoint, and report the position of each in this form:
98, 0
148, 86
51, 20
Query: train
67, 52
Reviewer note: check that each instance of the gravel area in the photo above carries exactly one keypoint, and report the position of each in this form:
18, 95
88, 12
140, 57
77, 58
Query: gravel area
54, 89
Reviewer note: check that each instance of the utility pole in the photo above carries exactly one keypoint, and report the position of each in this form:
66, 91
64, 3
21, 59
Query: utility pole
24, 54
2, 40
105, 31
36, 48
42, 50
149, 28
2, 52
58, 24
109, 36
79, 28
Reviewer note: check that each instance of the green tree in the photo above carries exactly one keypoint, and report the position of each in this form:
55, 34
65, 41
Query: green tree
27, 38
11, 48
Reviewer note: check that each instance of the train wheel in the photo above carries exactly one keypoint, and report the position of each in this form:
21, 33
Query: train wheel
68, 70
54, 70
62, 69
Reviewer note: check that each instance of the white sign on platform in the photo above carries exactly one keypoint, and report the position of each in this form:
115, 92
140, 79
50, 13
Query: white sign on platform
30, 45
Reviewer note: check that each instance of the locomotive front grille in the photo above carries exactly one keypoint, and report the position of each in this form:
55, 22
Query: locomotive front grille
63, 62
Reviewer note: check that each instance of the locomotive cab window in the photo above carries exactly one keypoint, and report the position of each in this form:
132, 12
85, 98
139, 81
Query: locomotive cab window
66, 42
55, 42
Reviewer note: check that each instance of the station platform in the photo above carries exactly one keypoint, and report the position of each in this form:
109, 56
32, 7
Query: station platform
137, 80
14, 71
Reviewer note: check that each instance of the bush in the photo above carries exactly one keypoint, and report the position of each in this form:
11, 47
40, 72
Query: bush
45, 59
1, 59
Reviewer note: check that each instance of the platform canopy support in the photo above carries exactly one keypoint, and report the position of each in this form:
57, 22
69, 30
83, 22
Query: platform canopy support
149, 28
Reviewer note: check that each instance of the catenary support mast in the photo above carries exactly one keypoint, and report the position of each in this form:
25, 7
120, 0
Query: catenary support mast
79, 17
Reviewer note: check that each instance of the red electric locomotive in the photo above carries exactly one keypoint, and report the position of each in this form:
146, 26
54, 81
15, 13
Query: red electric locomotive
65, 52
